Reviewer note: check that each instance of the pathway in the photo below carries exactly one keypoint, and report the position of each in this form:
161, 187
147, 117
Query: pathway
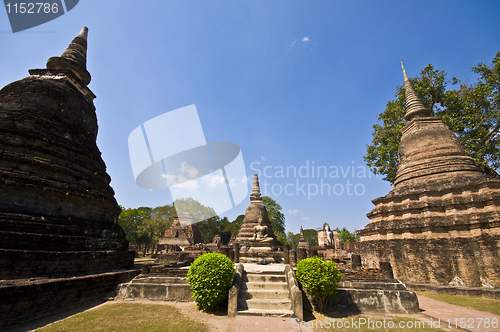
466, 318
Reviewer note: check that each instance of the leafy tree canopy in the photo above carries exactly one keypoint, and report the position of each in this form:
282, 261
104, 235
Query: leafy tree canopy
471, 111
276, 218
234, 226
347, 237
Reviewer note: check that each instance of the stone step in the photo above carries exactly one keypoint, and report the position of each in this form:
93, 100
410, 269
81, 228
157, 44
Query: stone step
264, 304
264, 285
252, 277
265, 294
260, 312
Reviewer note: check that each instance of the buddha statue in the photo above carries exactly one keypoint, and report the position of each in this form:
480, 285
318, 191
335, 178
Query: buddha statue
260, 233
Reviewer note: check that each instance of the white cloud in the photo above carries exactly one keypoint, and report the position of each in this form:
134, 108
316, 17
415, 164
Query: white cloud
305, 39
214, 181
189, 170
305, 218
295, 211
186, 172
293, 44
262, 157
188, 186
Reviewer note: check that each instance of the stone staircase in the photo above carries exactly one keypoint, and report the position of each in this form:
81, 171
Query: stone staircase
264, 293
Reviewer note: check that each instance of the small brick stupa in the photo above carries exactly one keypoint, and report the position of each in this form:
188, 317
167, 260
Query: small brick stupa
256, 237
441, 220
57, 210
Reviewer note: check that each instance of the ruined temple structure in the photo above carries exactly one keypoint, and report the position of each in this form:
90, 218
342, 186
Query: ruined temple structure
57, 211
256, 237
440, 222
60, 244
328, 238
302, 240
178, 236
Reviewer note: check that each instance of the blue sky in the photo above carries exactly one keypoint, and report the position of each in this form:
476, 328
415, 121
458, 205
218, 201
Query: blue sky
290, 82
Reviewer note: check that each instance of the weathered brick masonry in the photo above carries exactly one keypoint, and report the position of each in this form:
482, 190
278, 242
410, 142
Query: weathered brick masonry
441, 220
57, 210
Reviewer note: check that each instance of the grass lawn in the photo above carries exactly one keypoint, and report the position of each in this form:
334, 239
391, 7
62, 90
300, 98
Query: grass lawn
361, 323
478, 303
129, 317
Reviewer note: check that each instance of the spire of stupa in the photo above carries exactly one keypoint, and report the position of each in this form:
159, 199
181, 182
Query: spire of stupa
255, 195
74, 58
414, 107
302, 239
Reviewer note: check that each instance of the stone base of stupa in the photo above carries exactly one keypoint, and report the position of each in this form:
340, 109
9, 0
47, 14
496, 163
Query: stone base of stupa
260, 253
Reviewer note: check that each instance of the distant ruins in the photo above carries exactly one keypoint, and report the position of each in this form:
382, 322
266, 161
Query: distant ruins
180, 236
328, 237
57, 211
440, 223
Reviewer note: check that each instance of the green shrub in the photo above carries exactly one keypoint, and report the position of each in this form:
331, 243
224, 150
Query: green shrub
319, 279
210, 276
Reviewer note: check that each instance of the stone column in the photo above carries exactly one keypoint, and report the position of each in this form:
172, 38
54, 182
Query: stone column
301, 254
355, 261
386, 270
286, 254
236, 248
293, 257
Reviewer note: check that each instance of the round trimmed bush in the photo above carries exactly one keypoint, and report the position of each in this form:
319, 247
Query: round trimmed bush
319, 279
210, 276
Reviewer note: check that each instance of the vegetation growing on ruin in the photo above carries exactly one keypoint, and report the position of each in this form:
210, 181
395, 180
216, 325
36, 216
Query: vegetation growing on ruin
319, 279
210, 277
472, 112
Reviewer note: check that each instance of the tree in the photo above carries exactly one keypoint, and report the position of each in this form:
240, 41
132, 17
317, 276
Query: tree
276, 218
471, 111
347, 237
234, 226
197, 210
131, 219
319, 279
213, 226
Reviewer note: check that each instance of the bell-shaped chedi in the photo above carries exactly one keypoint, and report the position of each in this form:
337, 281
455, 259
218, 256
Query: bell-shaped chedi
302, 240
57, 210
442, 218
256, 216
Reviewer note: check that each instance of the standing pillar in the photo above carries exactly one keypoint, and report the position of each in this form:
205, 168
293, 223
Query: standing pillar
293, 257
286, 254
236, 248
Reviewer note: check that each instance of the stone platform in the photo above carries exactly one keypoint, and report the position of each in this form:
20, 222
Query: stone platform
24, 300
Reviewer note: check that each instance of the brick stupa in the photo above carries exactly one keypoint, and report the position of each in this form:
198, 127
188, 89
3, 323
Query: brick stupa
57, 210
256, 237
441, 220
255, 211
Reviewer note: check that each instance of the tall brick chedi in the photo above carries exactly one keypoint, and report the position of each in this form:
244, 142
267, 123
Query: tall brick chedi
442, 218
57, 211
